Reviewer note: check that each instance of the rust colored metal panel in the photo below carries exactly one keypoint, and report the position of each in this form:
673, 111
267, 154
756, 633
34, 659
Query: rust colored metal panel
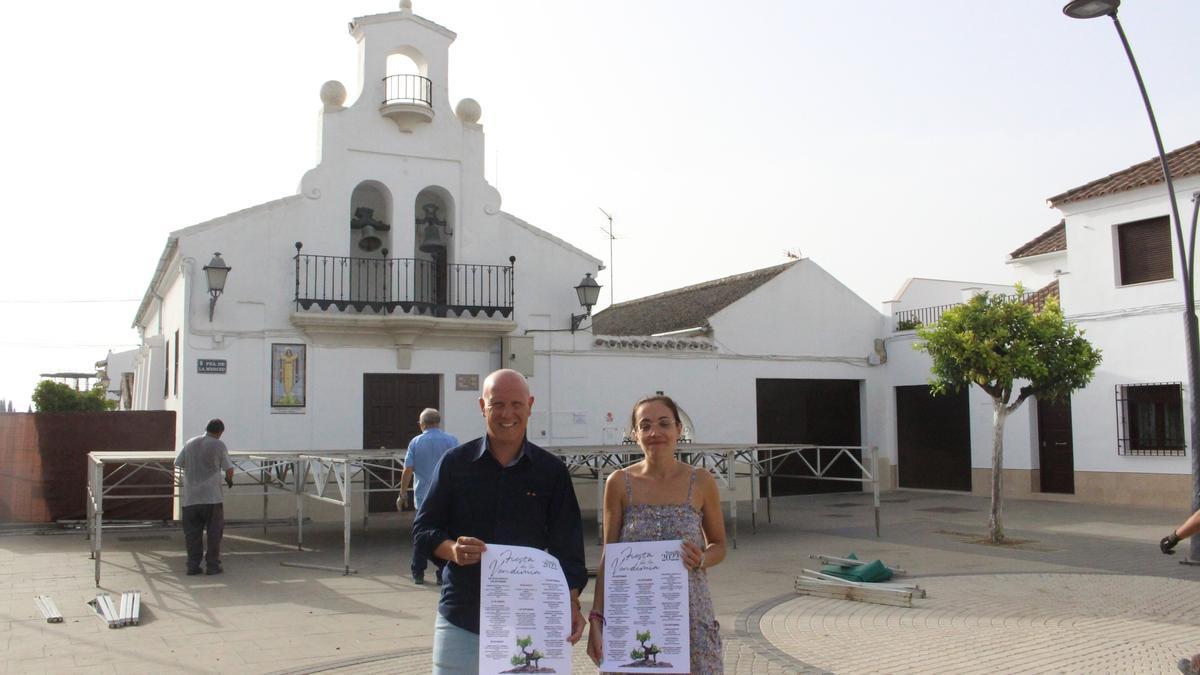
43, 462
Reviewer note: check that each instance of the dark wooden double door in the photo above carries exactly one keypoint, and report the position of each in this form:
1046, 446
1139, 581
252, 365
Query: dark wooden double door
392, 405
933, 439
810, 412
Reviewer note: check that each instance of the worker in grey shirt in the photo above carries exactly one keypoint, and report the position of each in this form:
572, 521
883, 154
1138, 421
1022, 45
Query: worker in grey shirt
203, 459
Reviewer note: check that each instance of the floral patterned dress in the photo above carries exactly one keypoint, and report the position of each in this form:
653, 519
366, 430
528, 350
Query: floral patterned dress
657, 522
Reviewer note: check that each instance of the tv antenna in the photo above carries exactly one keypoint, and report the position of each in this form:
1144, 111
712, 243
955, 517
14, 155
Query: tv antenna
611, 238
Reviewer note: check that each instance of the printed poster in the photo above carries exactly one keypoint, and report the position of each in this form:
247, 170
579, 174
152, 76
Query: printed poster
524, 612
645, 608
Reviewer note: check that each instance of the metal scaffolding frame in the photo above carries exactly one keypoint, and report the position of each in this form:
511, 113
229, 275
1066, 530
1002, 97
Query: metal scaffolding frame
258, 473
727, 462
333, 476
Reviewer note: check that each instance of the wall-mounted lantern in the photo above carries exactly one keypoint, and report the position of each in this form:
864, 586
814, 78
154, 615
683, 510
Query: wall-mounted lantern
589, 292
217, 271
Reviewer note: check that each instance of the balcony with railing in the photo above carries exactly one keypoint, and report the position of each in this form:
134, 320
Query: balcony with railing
407, 100
403, 287
912, 319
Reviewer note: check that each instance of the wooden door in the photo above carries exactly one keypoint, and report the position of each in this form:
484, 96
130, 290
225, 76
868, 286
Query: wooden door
933, 439
392, 405
1056, 449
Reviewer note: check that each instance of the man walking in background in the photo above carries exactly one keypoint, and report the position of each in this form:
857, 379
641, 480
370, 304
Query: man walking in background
423, 454
203, 459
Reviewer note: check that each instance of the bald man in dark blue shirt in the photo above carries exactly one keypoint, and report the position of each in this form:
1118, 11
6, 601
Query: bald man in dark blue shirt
501, 489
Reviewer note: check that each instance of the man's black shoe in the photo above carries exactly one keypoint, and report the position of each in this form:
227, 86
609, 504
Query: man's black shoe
193, 571
214, 570
418, 578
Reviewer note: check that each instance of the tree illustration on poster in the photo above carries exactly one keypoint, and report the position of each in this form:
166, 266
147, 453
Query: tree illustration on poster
527, 660
288, 379
646, 655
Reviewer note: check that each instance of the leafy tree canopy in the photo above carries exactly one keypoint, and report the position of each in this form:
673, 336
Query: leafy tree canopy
995, 340
51, 396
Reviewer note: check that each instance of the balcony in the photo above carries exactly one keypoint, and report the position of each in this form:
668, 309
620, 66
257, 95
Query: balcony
912, 319
402, 296
407, 100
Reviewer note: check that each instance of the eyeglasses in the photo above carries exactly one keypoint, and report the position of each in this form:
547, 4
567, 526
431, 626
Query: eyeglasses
663, 425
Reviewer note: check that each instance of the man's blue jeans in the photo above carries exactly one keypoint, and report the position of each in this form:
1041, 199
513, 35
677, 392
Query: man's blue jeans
455, 650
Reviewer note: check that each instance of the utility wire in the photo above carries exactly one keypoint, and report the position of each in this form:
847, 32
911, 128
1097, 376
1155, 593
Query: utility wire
64, 302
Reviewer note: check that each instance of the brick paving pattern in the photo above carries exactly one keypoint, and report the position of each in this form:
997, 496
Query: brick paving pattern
1087, 591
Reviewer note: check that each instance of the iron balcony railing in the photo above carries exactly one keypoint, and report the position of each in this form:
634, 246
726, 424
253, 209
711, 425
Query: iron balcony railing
408, 285
407, 89
911, 319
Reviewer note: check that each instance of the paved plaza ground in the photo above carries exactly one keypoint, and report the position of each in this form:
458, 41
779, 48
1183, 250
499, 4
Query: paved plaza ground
1084, 590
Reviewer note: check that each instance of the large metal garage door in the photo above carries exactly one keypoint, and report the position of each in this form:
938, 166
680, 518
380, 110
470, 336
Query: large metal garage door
933, 439
816, 412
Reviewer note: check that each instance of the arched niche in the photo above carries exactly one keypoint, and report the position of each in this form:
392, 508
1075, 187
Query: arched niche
370, 230
370, 219
433, 242
406, 61
406, 79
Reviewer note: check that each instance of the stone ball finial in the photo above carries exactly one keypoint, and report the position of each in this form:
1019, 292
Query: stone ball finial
468, 110
406, 5
333, 94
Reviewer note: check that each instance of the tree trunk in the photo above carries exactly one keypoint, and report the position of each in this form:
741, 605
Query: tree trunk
995, 523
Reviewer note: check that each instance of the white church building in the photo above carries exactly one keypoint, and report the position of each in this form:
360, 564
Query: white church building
393, 281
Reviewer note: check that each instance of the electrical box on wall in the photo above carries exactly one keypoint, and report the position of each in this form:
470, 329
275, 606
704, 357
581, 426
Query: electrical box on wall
516, 352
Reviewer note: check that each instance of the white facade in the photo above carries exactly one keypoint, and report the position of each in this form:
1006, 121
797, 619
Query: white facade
366, 160
397, 154
1139, 327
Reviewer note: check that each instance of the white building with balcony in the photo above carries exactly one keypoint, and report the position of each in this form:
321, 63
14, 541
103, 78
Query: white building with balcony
392, 281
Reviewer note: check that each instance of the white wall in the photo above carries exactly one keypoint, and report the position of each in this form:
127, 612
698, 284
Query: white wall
907, 367
804, 312
1138, 328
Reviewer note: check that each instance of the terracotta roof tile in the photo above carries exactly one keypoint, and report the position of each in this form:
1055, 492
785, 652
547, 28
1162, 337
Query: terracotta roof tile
681, 308
1183, 162
1039, 297
1053, 239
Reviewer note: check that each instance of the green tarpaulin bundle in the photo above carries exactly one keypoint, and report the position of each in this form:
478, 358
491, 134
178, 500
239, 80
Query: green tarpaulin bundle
870, 572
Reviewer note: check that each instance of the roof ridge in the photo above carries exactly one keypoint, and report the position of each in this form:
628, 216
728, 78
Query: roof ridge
1021, 251
706, 284
1076, 193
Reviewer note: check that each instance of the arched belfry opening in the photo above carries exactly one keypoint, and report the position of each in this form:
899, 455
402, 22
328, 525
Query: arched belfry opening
434, 242
407, 89
370, 241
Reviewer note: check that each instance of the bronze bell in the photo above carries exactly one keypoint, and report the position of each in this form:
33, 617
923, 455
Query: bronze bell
431, 240
370, 241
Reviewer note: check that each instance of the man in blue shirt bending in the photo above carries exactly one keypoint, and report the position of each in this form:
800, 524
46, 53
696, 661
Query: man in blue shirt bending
424, 452
500, 489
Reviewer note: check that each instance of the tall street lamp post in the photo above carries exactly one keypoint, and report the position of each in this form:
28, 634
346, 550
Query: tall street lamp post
1091, 9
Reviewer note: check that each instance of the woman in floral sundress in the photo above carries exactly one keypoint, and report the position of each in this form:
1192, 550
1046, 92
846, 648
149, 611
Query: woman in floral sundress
661, 498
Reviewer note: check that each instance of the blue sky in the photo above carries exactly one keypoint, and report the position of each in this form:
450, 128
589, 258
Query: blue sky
882, 139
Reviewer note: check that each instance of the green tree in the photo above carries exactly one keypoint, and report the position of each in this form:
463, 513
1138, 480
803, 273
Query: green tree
524, 642
51, 396
1000, 344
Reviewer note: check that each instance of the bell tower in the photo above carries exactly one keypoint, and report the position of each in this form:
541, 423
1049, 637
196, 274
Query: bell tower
403, 66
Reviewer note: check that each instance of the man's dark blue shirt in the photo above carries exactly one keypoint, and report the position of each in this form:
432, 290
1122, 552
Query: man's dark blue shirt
530, 503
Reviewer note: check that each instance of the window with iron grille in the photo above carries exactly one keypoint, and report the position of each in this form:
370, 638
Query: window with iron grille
1150, 419
1144, 248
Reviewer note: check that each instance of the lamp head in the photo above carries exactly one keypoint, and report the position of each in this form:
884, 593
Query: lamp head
1090, 9
588, 291
217, 271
